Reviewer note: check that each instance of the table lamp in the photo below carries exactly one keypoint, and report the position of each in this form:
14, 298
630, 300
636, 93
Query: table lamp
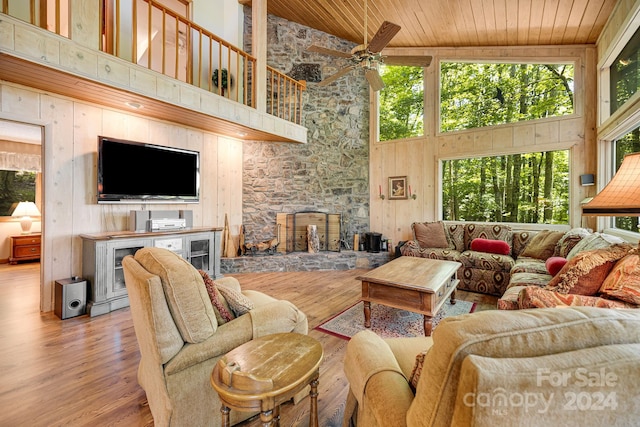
621, 196
25, 210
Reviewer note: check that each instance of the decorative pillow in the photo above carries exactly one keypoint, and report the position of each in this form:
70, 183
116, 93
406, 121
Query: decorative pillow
569, 240
534, 297
542, 245
220, 305
491, 246
584, 273
487, 231
594, 241
456, 235
430, 234
623, 282
555, 264
417, 370
186, 295
239, 303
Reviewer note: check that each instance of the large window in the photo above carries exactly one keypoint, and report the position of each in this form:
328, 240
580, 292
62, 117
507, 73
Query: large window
401, 102
629, 143
474, 95
525, 188
625, 73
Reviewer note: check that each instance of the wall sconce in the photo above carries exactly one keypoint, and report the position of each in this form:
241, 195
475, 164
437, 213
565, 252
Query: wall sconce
25, 210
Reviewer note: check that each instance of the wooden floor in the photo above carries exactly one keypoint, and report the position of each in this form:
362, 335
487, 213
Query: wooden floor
82, 371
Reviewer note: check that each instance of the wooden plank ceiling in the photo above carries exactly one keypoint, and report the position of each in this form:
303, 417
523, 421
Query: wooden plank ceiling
454, 23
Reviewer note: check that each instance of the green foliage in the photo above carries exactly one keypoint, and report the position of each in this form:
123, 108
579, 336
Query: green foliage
629, 143
525, 188
401, 102
474, 95
625, 73
16, 187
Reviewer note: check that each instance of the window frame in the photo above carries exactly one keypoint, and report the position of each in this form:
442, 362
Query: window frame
616, 125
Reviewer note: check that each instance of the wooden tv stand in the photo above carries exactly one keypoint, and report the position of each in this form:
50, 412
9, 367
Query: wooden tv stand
102, 256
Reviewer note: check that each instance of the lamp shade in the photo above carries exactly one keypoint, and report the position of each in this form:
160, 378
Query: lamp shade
26, 209
621, 196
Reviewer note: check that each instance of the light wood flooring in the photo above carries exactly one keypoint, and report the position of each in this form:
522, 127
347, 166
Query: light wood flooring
82, 371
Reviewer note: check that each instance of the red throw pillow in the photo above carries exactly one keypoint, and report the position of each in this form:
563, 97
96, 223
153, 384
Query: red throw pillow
491, 246
554, 264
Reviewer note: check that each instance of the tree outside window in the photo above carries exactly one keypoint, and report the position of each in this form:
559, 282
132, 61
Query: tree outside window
474, 95
401, 102
525, 188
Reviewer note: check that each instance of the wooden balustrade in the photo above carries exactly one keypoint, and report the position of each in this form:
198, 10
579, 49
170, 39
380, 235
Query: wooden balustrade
284, 96
154, 36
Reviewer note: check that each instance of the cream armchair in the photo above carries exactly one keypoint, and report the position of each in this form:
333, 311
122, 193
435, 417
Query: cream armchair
540, 367
180, 339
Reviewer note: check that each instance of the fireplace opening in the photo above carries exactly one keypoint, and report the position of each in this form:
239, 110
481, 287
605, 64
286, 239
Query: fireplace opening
292, 230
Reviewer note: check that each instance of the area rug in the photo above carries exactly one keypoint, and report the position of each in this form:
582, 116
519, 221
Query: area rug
388, 322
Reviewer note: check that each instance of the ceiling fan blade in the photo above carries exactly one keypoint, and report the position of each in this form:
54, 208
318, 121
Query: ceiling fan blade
326, 51
332, 78
374, 79
384, 35
408, 61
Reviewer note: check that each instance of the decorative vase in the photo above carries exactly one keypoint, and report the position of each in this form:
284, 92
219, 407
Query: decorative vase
313, 242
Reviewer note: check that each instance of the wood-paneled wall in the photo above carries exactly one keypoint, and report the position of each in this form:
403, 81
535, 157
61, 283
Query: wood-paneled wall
420, 158
70, 159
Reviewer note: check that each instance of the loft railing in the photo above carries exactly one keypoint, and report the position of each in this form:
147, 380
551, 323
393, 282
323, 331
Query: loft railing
154, 36
52, 15
285, 96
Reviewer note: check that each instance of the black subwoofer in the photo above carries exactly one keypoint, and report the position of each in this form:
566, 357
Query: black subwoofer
71, 297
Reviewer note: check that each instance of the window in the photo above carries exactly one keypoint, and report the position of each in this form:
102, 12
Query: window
526, 188
401, 102
474, 95
625, 73
629, 143
16, 187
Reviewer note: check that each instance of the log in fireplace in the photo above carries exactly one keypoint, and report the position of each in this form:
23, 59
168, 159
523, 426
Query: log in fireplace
292, 230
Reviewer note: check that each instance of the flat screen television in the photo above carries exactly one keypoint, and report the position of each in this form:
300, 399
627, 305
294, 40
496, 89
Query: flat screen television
136, 172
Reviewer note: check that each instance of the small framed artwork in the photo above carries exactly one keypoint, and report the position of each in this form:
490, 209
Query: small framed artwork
397, 187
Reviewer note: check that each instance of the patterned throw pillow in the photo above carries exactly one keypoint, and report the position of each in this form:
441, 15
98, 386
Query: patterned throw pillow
584, 273
594, 241
417, 370
569, 240
223, 314
239, 303
623, 282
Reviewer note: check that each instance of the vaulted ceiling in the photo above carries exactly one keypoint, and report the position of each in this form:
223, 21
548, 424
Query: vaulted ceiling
431, 23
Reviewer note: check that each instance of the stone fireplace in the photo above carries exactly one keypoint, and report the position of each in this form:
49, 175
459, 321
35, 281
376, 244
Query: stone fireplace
330, 173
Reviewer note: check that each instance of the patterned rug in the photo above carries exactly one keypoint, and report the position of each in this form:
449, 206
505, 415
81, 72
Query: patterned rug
388, 322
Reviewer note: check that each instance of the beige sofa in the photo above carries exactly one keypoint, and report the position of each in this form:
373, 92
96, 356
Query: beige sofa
181, 335
542, 367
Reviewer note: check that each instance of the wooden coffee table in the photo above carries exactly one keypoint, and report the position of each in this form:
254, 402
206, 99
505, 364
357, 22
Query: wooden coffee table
267, 371
419, 285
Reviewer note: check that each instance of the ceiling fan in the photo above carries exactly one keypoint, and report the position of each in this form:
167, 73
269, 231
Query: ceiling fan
368, 56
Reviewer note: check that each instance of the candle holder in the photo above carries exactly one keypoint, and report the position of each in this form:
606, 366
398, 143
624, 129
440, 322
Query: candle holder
382, 196
413, 196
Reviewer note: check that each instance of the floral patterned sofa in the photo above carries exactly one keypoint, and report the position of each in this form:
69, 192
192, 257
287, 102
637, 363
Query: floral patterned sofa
517, 265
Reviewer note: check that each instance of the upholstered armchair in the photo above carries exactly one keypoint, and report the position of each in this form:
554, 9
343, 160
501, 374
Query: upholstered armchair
183, 326
539, 367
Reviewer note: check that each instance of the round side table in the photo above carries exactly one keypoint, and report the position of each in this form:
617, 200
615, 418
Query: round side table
267, 371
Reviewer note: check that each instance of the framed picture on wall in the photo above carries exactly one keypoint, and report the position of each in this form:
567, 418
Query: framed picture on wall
397, 187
